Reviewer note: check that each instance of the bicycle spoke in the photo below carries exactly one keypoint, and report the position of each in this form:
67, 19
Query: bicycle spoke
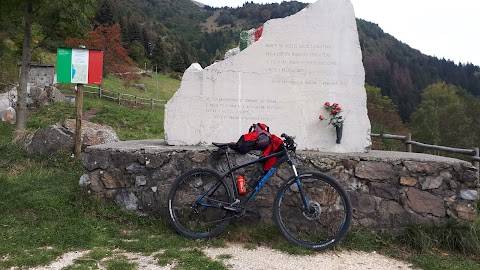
196, 204
323, 222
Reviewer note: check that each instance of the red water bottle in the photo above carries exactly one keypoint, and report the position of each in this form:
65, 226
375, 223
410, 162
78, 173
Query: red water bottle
242, 188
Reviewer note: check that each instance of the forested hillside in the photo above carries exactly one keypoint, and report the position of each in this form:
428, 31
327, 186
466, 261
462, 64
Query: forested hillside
170, 35
402, 72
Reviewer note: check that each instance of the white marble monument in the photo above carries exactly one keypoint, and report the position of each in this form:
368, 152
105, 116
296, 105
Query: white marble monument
283, 80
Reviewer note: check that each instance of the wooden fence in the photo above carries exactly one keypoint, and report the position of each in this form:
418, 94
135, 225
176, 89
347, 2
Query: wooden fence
126, 98
471, 154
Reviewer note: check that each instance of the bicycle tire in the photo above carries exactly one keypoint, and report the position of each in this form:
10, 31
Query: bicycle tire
189, 215
328, 221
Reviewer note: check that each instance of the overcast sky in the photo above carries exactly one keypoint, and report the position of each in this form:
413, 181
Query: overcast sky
442, 28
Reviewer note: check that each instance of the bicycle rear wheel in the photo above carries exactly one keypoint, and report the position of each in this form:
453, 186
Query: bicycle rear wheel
324, 222
195, 203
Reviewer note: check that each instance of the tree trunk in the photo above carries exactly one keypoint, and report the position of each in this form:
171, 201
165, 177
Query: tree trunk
26, 58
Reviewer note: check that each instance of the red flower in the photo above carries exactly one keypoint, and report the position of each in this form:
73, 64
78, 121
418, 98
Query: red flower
335, 118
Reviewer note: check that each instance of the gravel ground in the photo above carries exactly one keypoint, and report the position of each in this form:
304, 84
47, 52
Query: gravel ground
238, 258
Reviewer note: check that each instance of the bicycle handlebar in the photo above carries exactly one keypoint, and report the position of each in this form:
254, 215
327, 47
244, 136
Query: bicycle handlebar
289, 142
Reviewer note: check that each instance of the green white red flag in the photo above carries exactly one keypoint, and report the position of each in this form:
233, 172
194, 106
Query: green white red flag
84, 66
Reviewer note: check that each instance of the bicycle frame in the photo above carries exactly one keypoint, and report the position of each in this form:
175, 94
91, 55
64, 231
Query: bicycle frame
284, 157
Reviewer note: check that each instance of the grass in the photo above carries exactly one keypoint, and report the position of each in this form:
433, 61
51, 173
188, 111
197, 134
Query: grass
129, 123
159, 86
44, 213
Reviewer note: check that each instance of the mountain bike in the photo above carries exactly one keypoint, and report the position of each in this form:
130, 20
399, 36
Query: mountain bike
310, 209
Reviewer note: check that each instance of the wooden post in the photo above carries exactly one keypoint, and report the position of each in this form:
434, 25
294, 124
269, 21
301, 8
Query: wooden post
407, 142
477, 163
153, 104
118, 98
100, 91
78, 124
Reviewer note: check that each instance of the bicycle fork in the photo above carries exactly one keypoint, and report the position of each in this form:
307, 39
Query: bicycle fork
309, 209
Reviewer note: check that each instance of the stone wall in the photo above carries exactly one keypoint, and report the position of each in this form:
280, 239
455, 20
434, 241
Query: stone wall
388, 190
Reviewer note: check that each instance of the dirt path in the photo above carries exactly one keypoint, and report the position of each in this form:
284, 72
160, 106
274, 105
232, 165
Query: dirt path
238, 258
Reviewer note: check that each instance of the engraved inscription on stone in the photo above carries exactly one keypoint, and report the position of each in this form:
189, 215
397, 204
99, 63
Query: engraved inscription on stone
299, 63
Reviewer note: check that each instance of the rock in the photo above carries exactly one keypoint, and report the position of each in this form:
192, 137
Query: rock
385, 190
324, 164
363, 204
85, 180
425, 202
140, 87
408, 181
51, 140
128, 201
196, 156
154, 160
431, 182
114, 179
47, 95
466, 211
135, 169
9, 115
393, 213
140, 181
92, 133
423, 167
55, 95
38, 96
469, 194
374, 170
58, 138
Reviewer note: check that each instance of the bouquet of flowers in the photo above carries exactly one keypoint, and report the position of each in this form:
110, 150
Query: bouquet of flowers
334, 109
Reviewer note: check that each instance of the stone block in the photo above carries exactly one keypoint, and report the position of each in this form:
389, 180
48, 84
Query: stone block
466, 211
324, 164
113, 179
155, 160
374, 170
423, 167
385, 190
469, 194
408, 181
425, 203
431, 182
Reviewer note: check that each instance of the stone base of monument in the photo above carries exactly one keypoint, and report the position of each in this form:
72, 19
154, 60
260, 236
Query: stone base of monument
389, 190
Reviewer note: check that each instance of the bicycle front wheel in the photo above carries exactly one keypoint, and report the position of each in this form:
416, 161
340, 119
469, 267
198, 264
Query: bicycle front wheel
319, 219
196, 203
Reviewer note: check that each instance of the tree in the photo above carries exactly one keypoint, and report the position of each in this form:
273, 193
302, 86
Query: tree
178, 63
51, 18
136, 51
108, 39
384, 118
442, 118
106, 14
160, 54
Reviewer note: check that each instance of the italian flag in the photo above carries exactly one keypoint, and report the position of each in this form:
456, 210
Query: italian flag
79, 66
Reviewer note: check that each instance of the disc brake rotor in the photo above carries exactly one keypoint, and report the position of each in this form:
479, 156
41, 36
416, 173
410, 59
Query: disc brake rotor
313, 212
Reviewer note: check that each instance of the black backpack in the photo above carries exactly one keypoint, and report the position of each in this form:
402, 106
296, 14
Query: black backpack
257, 138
